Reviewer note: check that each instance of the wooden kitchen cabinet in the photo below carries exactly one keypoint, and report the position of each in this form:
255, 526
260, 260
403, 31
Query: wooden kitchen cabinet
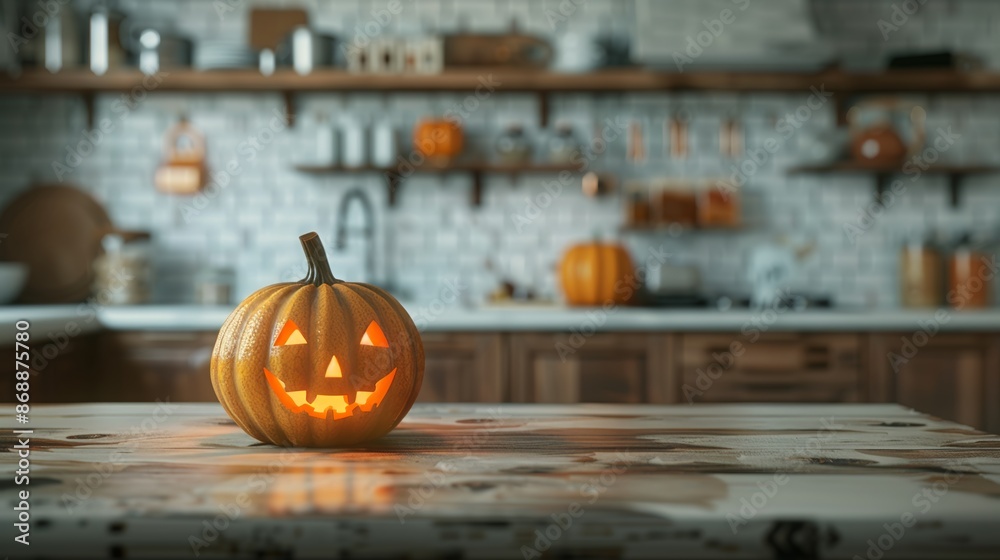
63, 369
463, 368
606, 367
776, 367
146, 366
955, 376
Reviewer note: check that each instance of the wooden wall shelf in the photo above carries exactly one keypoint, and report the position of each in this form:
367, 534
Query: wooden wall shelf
394, 176
541, 82
883, 173
505, 79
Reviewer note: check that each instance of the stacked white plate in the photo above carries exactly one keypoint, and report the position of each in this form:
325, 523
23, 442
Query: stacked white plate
220, 55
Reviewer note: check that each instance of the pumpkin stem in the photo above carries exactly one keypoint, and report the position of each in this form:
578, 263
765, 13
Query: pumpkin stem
319, 266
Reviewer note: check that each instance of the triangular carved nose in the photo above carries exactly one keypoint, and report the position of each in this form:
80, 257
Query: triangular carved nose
333, 368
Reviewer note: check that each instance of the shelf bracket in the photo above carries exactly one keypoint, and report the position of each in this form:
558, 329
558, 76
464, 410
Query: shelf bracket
881, 183
543, 109
477, 188
393, 180
88, 107
955, 188
289, 99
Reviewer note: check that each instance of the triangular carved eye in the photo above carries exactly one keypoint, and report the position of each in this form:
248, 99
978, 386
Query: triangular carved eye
289, 335
374, 336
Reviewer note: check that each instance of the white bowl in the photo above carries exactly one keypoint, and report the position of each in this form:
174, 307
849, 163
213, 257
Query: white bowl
12, 277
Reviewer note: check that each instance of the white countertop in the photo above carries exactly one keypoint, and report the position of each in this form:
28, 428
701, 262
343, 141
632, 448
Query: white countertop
51, 320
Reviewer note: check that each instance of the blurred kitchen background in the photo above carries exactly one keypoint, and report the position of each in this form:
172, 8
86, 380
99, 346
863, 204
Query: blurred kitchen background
455, 150
673, 141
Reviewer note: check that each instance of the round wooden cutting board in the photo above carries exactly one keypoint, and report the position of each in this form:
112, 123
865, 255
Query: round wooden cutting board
56, 230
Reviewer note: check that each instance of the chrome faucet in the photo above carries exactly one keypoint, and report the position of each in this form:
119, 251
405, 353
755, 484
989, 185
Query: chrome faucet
368, 230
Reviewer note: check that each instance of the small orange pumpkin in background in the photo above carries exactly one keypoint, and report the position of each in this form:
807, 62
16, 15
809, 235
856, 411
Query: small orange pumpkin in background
439, 140
318, 363
597, 274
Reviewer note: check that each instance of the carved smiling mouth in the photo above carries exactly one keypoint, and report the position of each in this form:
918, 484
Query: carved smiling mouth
322, 405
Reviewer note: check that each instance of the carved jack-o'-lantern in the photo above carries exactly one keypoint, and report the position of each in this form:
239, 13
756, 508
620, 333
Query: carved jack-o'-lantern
318, 363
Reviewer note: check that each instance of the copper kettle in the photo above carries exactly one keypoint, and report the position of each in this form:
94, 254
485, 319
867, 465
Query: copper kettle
874, 131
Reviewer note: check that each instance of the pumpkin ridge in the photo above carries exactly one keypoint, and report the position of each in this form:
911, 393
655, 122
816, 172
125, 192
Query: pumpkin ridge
284, 310
243, 341
223, 378
413, 335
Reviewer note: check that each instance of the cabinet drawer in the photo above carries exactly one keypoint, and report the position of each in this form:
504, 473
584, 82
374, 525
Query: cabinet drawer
777, 367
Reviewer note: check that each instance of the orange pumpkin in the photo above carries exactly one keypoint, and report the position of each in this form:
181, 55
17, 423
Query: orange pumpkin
597, 274
318, 363
439, 140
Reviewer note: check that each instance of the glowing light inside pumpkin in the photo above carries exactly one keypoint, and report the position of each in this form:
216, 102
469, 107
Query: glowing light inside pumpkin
374, 336
290, 334
322, 405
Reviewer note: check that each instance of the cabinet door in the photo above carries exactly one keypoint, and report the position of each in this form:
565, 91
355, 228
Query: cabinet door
145, 366
63, 369
777, 367
952, 376
463, 368
607, 368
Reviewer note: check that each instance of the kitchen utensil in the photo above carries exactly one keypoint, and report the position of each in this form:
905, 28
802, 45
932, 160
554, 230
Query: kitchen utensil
184, 170
671, 279
122, 273
636, 149
731, 138
355, 144
770, 269
223, 55
638, 209
512, 146
214, 286
62, 43
270, 27
327, 147
106, 49
970, 280
717, 207
577, 51
55, 231
563, 145
676, 131
12, 277
676, 204
309, 49
920, 274
496, 50
10, 60
384, 145
876, 129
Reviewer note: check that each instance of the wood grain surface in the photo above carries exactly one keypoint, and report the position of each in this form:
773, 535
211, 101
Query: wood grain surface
642, 481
